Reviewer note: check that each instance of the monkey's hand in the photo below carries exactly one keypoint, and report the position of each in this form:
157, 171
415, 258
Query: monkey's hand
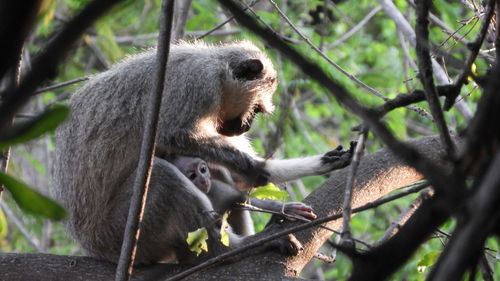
338, 158
298, 211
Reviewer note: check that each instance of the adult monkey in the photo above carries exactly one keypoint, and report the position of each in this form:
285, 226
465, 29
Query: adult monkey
212, 94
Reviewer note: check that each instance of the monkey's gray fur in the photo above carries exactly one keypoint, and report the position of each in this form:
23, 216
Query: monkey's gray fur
212, 95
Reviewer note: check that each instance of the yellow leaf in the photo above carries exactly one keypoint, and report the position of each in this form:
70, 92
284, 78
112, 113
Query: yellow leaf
224, 236
197, 241
3, 225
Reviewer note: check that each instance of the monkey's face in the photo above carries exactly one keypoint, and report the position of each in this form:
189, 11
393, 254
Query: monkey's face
247, 92
196, 170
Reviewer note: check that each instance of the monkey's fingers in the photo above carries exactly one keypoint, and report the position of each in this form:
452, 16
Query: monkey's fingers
302, 214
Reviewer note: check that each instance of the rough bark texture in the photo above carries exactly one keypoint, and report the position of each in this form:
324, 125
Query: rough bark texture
378, 174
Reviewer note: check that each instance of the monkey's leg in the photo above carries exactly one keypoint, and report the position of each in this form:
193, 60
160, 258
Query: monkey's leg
174, 207
241, 222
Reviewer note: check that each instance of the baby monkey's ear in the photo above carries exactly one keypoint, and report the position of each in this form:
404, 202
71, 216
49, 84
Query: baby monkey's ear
248, 70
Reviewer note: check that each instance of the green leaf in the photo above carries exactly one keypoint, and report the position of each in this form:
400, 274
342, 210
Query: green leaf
224, 236
31, 201
28, 130
197, 241
269, 191
427, 260
4, 227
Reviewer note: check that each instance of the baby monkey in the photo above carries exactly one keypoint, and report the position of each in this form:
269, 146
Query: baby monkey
224, 195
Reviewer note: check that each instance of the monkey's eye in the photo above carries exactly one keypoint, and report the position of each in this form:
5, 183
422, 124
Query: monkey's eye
203, 169
191, 176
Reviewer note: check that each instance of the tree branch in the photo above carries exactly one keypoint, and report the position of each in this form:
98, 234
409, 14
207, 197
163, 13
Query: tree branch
141, 181
425, 69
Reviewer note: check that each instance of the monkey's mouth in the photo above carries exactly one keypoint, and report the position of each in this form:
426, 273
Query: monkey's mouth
240, 124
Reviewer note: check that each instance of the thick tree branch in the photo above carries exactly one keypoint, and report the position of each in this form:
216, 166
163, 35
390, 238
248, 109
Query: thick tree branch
378, 174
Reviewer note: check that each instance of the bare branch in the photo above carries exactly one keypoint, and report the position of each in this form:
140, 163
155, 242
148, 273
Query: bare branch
425, 69
62, 84
353, 167
141, 181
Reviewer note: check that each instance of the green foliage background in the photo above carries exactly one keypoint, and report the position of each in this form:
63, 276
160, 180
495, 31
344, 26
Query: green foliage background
314, 124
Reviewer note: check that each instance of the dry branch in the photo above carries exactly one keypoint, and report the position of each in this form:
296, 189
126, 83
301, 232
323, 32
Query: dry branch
378, 174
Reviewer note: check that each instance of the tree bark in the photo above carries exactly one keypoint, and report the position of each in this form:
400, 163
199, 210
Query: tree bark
378, 174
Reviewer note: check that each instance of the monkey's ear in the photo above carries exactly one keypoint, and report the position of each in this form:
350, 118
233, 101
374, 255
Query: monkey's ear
249, 70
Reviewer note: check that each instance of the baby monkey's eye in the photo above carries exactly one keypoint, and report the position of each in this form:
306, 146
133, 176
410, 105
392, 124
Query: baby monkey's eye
203, 169
192, 176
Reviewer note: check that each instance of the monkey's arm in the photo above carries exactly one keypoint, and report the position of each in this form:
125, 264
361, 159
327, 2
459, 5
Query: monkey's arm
296, 168
222, 151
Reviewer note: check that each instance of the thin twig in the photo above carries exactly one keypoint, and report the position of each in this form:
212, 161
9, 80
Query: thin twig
425, 69
402, 24
33, 241
225, 22
145, 163
405, 215
154, 36
347, 208
60, 85
294, 229
355, 29
437, 21
474, 51
299, 218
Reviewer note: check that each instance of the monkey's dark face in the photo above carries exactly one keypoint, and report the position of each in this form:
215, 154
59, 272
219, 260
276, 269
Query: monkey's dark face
248, 93
196, 170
